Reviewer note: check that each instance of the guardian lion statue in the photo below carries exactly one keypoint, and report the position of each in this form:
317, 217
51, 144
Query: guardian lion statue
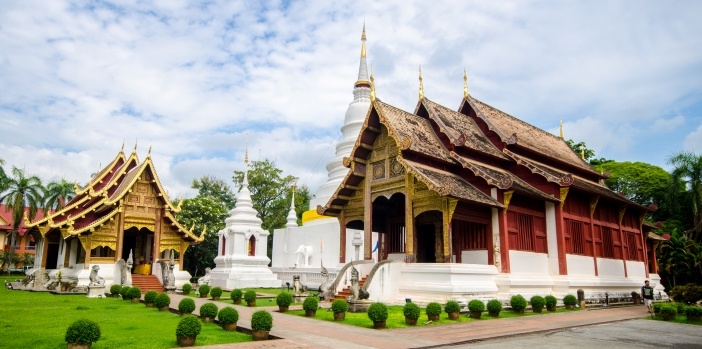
95, 279
298, 287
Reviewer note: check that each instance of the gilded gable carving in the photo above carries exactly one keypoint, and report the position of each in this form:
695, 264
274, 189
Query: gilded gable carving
379, 170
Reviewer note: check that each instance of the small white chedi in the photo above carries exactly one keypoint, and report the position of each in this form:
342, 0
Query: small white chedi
241, 260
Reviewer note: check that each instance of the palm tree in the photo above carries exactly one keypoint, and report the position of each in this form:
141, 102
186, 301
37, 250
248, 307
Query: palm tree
3, 177
22, 191
688, 171
58, 193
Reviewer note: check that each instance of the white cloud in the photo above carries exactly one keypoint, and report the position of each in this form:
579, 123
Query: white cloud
693, 140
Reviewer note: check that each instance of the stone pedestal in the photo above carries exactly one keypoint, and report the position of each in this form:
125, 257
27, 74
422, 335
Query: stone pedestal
96, 291
359, 306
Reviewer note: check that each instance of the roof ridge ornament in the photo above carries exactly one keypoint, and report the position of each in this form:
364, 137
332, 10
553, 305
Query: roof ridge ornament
465, 84
561, 129
421, 84
135, 145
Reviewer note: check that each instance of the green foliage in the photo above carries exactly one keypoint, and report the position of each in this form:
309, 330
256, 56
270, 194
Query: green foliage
570, 300
284, 299
638, 181
83, 331
204, 290
550, 301
433, 308
657, 307
124, 291
134, 292
209, 186
452, 307
687, 189
216, 291
667, 309
680, 262
339, 306
477, 305
205, 212
261, 321
581, 149
411, 311
115, 289
379, 312
186, 305
189, 326
494, 306
162, 300
250, 296
228, 315
236, 294
150, 296
518, 303
537, 302
689, 294
187, 287
693, 310
20, 191
310, 303
57, 194
209, 310
680, 307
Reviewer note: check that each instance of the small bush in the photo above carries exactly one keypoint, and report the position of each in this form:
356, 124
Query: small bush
186, 306
134, 293
690, 293
236, 295
188, 326
187, 287
310, 304
115, 289
452, 307
570, 300
83, 331
261, 321
518, 303
228, 315
537, 302
477, 306
124, 291
411, 311
339, 306
379, 312
216, 291
667, 309
494, 306
550, 301
657, 307
284, 299
204, 289
680, 307
150, 296
433, 308
250, 296
208, 310
693, 310
162, 300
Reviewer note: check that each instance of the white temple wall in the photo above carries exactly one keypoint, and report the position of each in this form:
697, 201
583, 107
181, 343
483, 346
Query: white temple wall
528, 262
73, 255
431, 282
635, 269
580, 265
610, 267
474, 257
386, 283
551, 239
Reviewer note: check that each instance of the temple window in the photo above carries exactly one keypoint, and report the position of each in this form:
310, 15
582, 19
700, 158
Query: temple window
252, 246
224, 245
102, 251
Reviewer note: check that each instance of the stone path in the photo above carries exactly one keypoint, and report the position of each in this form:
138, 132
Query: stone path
301, 332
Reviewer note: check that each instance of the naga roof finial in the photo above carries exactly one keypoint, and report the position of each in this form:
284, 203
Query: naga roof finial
465, 84
421, 84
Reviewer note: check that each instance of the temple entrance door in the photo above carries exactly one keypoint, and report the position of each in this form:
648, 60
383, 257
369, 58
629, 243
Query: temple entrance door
139, 242
52, 250
426, 240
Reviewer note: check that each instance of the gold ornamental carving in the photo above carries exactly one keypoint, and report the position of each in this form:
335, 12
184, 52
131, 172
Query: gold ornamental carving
593, 204
507, 198
564, 194
622, 210
379, 170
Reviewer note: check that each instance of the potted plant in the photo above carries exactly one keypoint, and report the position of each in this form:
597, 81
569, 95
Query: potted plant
208, 311
570, 301
518, 304
124, 291
693, 313
236, 295
188, 329
378, 313
339, 307
134, 294
310, 305
283, 300
115, 289
453, 309
411, 312
228, 317
537, 303
667, 311
216, 292
494, 307
162, 301
433, 311
82, 333
204, 289
149, 298
477, 307
551, 302
261, 324
187, 287
186, 306
250, 298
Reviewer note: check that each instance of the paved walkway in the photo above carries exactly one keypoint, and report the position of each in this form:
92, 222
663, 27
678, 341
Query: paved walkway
301, 332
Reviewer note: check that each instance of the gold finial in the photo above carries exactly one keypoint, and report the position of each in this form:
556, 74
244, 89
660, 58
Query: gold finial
246, 156
372, 83
135, 145
148, 154
582, 151
122, 150
363, 41
562, 129
421, 84
465, 84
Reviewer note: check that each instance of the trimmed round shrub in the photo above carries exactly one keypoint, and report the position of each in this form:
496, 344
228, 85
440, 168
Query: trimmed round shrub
236, 294
433, 308
150, 296
379, 312
261, 321
411, 311
693, 310
124, 291
134, 293
204, 290
477, 305
284, 299
339, 306
537, 302
250, 296
667, 309
162, 300
310, 303
188, 326
208, 310
83, 331
216, 291
452, 307
186, 306
115, 289
187, 287
228, 315
550, 301
657, 307
518, 303
570, 300
493, 306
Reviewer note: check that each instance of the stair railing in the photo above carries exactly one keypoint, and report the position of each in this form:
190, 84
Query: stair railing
345, 274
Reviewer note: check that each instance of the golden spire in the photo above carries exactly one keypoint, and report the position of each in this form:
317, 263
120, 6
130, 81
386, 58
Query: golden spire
421, 84
122, 150
372, 81
135, 145
363, 41
465, 84
148, 154
246, 156
562, 129
582, 151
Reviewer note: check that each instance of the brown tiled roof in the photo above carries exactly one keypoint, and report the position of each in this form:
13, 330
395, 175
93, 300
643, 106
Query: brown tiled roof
549, 173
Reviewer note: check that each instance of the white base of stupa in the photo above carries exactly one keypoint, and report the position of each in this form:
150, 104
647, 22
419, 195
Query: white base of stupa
237, 272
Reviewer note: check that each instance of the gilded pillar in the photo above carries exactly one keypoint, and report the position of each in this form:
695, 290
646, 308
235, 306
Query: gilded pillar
410, 257
120, 231
447, 212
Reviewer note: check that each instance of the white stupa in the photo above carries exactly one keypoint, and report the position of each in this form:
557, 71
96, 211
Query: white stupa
242, 261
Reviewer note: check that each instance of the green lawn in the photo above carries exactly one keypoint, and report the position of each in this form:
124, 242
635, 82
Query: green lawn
260, 301
40, 319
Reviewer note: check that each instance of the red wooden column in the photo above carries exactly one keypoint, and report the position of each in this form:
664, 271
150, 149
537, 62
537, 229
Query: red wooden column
504, 235
560, 241
593, 205
622, 211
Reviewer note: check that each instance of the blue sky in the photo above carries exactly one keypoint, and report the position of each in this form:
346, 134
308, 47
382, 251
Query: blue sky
197, 81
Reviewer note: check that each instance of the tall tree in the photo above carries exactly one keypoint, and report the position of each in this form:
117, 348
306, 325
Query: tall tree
687, 183
22, 191
3, 177
216, 188
57, 194
202, 211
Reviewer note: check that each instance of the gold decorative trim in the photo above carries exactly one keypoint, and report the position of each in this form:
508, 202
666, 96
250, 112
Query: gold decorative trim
622, 210
593, 204
564, 194
507, 197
